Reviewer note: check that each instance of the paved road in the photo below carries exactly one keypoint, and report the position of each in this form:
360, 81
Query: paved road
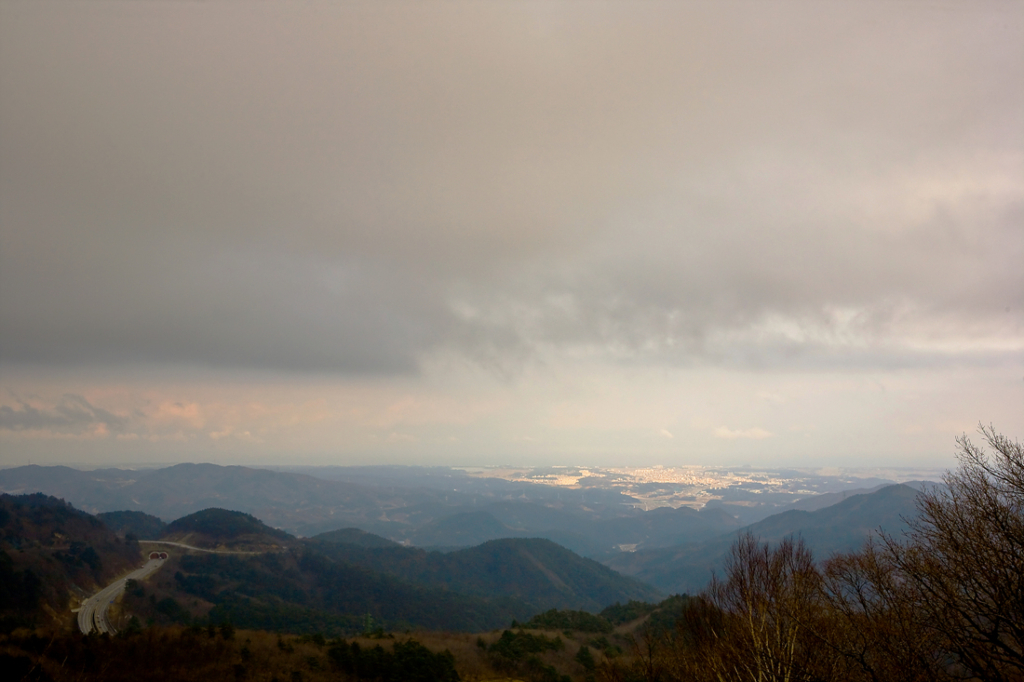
198, 549
93, 613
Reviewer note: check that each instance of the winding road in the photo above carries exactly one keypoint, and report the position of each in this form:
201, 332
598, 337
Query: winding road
198, 549
93, 613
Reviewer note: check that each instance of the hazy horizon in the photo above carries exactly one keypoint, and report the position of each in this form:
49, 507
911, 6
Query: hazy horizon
532, 233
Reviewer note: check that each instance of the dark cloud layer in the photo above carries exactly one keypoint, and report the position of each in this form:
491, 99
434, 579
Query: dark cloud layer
350, 187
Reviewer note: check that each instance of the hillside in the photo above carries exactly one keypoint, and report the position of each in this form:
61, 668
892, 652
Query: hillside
262, 577
536, 571
464, 529
224, 529
306, 591
842, 527
596, 538
354, 536
52, 554
143, 526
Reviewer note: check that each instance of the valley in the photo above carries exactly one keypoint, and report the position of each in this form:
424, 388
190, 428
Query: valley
433, 548
469, 583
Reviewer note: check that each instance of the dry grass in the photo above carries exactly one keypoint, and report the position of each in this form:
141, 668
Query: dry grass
181, 654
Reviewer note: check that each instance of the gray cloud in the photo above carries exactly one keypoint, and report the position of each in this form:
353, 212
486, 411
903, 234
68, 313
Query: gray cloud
348, 188
73, 414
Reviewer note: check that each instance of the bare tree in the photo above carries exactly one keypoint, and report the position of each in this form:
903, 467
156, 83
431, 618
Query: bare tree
964, 559
875, 624
946, 601
771, 609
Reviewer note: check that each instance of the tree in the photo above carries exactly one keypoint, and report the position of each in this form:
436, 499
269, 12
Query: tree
945, 601
875, 626
762, 621
964, 558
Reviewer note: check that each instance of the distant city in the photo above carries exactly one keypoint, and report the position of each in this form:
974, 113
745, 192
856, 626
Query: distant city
696, 486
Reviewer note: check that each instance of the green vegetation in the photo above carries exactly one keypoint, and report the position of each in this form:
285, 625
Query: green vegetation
224, 524
518, 568
408, 661
354, 536
617, 613
304, 591
139, 524
585, 658
186, 654
579, 621
516, 652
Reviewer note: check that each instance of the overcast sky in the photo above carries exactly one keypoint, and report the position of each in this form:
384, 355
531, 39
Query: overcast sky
471, 233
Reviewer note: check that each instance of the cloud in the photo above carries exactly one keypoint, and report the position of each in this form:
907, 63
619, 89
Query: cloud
73, 414
755, 433
350, 190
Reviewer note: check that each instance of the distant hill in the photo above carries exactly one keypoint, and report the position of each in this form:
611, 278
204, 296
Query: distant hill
282, 499
464, 529
90, 491
140, 524
51, 552
223, 528
842, 527
816, 502
660, 527
354, 536
591, 522
536, 571
666, 526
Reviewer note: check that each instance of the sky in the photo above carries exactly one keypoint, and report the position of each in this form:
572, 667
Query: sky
529, 233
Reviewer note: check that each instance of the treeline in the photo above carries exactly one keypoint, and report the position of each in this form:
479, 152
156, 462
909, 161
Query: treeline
223, 653
660, 617
579, 621
513, 567
518, 653
407, 661
944, 602
303, 591
225, 524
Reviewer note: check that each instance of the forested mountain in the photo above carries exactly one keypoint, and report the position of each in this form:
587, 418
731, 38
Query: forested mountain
139, 524
264, 578
305, 591
327, 584
535, 571
354, 536
51, 554
520, 574
221, 528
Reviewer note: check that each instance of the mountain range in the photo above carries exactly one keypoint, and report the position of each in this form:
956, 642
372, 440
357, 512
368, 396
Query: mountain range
261, 577
496, 558
594, 524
